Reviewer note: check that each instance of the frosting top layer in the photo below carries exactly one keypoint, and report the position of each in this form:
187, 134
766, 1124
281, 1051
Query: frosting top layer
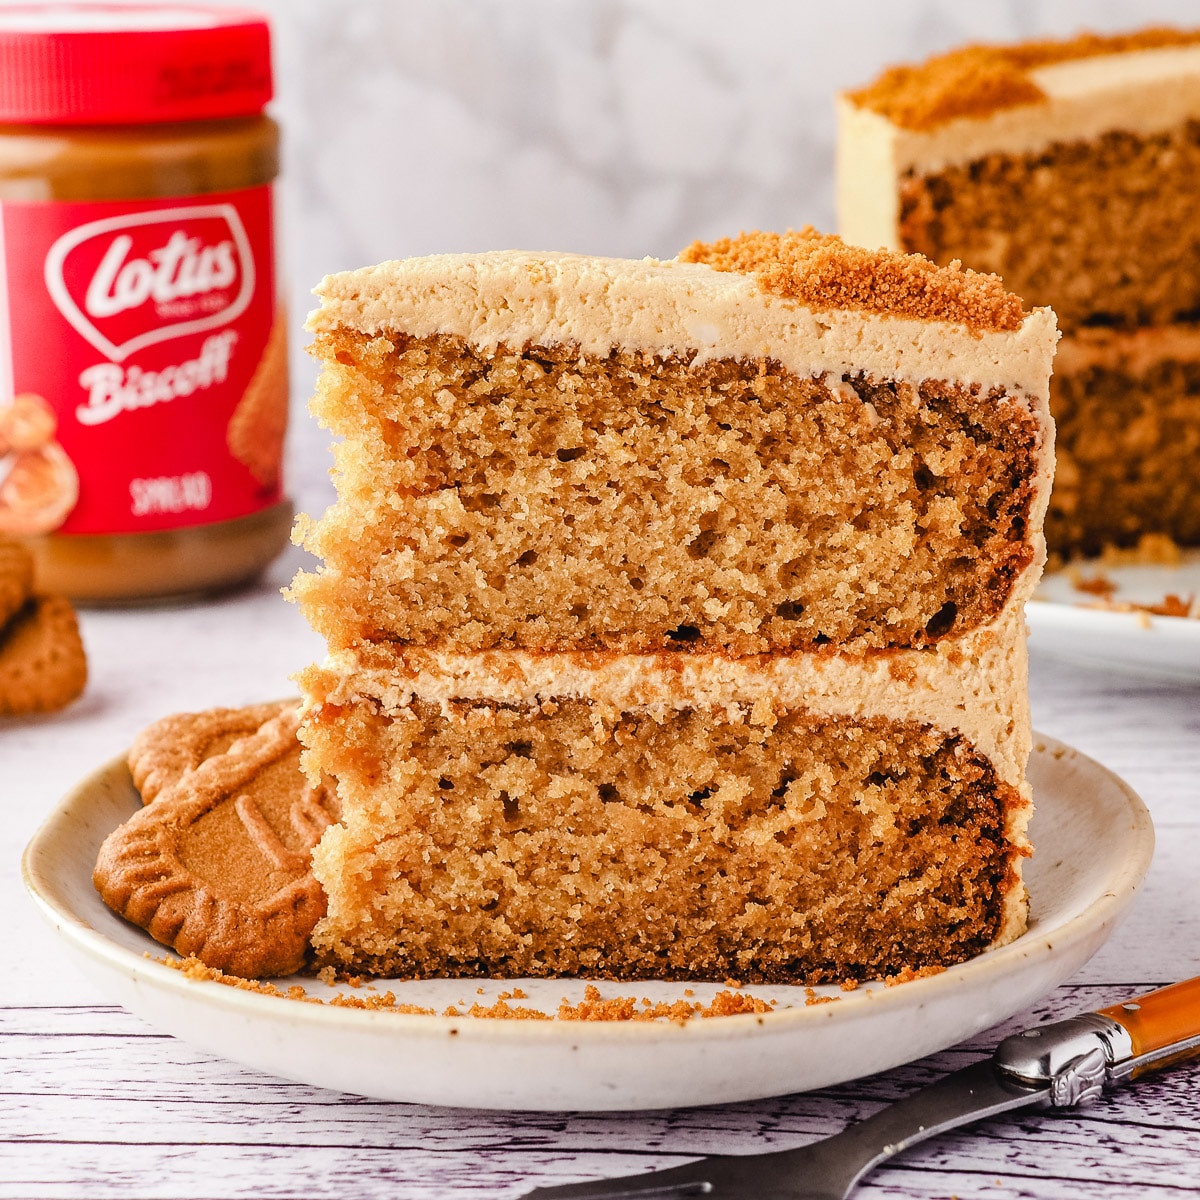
977, 80
943, 323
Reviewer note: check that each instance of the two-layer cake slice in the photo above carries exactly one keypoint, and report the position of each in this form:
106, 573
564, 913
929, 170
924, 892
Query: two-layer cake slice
674, 612
1072, 169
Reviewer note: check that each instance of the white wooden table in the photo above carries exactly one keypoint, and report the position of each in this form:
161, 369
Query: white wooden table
95, 1103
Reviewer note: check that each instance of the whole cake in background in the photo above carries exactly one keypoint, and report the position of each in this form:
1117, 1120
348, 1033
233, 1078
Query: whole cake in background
1072, 170
674, 612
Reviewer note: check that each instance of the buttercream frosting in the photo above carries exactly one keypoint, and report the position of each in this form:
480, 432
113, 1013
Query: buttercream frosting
670, 308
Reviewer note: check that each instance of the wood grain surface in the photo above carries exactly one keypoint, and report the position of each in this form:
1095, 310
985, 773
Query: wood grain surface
95, 1103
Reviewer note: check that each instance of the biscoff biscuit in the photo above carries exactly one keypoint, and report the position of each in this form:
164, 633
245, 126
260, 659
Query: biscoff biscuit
42, 663
217, 862
166, 751
259, 423
16, 578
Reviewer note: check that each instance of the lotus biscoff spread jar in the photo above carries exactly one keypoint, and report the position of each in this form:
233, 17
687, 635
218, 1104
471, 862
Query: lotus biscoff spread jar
143, 357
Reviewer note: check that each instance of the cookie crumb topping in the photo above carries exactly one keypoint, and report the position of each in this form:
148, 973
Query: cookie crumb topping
823, 272
977, 80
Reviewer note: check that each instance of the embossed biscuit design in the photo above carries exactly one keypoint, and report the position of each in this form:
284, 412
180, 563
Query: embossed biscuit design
217, 863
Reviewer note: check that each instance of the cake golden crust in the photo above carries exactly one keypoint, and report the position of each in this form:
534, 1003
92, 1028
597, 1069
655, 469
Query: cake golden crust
977, 80
823, 272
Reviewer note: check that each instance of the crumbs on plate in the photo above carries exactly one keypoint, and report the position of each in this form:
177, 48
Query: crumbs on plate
593, 1006
1153, 549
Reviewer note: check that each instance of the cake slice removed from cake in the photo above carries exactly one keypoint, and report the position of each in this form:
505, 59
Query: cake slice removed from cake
1072, 169
674, 612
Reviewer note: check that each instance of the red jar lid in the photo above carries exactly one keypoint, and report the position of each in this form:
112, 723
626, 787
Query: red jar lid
131, 64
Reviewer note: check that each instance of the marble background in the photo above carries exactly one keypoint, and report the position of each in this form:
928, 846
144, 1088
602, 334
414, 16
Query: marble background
623, 127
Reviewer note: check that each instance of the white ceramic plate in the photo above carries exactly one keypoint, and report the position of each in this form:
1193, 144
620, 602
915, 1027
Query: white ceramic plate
1071, 624
1094, 841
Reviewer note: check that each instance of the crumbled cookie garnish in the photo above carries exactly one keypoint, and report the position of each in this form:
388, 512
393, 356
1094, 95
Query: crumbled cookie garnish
593, 1007
1171, 605
1094, 585
1152, 550
824, 273
977, 80
909, 974
500, 1011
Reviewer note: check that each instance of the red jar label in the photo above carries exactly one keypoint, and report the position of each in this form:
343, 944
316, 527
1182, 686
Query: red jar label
143, 365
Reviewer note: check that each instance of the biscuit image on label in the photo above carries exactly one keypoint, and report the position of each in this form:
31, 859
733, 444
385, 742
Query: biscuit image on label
217, 863
39, 485
42, 663
256, 430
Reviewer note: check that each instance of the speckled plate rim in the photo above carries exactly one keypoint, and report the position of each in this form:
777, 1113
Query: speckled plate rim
1096, 845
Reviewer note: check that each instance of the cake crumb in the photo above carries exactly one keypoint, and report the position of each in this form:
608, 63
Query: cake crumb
502, 1010
909, 974
1094, 585
1174, 606
593, 1007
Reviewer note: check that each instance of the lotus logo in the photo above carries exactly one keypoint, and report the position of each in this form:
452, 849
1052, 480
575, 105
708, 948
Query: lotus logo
128, 282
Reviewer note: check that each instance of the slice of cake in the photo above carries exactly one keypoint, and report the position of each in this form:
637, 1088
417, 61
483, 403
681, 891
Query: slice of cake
674, 612
1072, 169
